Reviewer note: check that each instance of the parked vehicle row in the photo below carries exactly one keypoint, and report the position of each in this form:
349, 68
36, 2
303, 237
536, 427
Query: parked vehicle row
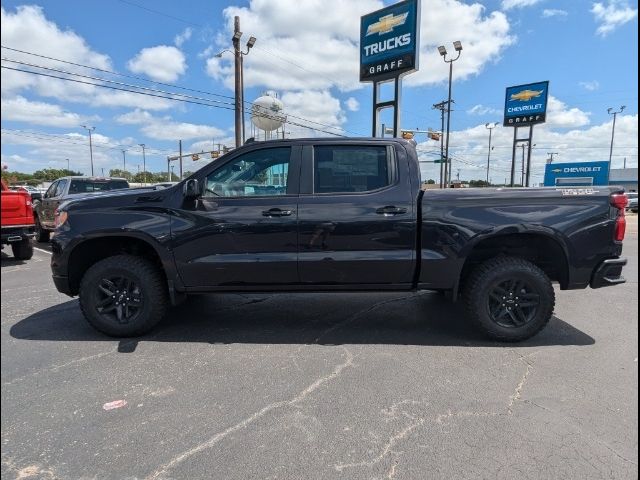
334, 215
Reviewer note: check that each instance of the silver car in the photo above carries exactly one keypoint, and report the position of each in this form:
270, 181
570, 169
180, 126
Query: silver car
633, 201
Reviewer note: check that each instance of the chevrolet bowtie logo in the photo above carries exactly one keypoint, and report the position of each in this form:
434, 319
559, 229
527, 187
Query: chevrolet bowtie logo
386, 24
526, 95
556, 170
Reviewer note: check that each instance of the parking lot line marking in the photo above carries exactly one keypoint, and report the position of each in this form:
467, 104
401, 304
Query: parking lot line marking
41, 250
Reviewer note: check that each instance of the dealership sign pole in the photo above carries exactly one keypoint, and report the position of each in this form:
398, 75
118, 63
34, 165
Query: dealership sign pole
389, 43
524, 106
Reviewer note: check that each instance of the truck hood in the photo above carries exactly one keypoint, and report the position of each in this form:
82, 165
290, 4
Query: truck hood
125, 196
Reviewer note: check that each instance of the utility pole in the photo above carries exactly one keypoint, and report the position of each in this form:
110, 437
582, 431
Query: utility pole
144, 163
441, 106
613, 131
91, 129
490, 127
237, 53
68, 169
551, 154
124, 162
180, 154
522, 176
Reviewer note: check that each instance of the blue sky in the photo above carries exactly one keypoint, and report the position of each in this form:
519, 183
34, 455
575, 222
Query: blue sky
307, 53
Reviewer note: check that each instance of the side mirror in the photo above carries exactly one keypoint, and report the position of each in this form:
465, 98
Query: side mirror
191, 189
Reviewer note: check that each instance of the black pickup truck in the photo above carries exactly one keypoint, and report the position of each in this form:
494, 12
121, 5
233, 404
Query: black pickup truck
335, 215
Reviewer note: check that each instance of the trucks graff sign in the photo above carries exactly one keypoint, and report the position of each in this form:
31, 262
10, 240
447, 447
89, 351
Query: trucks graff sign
389, 40
526, 104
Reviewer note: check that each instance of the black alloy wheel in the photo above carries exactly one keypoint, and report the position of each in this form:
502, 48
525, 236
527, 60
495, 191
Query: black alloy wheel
510, 299
513, 303
119, 299
124, 295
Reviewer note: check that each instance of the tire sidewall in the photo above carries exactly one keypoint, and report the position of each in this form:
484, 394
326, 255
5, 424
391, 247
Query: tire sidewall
535, 279
89, 297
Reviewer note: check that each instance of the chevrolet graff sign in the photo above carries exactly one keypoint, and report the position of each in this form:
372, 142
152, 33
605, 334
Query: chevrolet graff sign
526, 104
576, 174
389, 40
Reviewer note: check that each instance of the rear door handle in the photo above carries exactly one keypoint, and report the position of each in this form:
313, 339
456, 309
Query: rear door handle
276, 212
391, 210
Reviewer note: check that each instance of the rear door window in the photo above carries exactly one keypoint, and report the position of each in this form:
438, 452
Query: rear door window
88, 186
350, 168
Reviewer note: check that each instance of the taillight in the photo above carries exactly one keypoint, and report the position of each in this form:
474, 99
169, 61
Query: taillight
620, 201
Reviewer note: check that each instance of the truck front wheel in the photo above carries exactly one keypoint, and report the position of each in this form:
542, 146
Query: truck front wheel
509, 298
123, 296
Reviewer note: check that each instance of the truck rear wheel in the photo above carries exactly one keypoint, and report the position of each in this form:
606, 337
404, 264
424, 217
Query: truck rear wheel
42, 235
509, 298
22, 250
123, 296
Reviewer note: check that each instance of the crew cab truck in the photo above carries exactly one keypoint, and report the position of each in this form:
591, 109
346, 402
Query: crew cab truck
309, 215
17, 222
63, 189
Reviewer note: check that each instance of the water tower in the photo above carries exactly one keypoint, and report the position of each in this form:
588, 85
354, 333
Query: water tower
267, 117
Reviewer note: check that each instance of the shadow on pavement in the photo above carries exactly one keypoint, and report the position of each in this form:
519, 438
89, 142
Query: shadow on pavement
10, 261
324, 319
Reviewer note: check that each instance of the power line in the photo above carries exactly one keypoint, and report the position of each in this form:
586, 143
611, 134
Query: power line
158, 12
111, 72
163, 96
149, 81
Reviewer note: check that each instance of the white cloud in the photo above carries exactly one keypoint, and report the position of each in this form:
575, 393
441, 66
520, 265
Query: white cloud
352, 104
164, 128
315, 105
554, 12
27, 29
483, 110
19, 109
183, 37
591, 86
612, 15
44, 150
315, 45
559, 115
510, 4
162, 63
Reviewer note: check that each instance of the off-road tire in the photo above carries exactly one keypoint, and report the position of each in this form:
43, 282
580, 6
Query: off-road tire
22, 250
143, 273
479, 286
42, 235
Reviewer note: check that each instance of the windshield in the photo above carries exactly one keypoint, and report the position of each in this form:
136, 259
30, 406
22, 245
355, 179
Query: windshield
88, 186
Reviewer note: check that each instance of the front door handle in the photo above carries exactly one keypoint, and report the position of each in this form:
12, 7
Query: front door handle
391, 210
276, 212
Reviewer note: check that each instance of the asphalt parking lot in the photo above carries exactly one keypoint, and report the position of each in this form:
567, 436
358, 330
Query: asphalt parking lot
317, 386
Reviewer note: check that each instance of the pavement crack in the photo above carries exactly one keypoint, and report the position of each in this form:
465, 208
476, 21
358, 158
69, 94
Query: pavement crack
393, 440
518, 391
218, 437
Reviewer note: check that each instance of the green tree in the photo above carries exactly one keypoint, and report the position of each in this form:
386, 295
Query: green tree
431, 181
118, 172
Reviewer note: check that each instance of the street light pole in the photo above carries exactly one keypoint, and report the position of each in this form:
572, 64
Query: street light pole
68, 169
490, 127
613, 131
124, 162
238, 55
443, 51
90, 129
144, 163
551, 154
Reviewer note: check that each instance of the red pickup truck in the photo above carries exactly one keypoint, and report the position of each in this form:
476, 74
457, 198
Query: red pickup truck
18, 227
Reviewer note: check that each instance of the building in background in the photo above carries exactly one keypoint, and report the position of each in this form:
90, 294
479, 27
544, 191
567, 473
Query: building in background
625, 177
